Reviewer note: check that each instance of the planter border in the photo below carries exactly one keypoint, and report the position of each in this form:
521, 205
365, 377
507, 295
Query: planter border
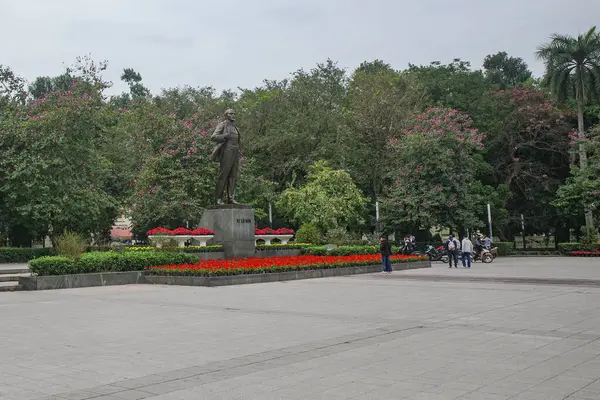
81, 280
140, 277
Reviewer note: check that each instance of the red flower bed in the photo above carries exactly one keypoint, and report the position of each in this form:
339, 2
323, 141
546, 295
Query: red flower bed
584, 253
269, 231
179, 231
273, 264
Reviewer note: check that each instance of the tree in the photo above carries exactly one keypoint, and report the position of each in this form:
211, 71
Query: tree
527, 150
379, 106
288, 125
452, 85
434, 176
581, 191
505, 71
176, 179
134, 80
12, 88
329, 199
51, 171
573, 71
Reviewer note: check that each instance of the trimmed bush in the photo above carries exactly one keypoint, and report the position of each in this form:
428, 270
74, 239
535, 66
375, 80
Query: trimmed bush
309, 233
504, 248
343, 250
52, 265
289, 246
22, 255
107, 262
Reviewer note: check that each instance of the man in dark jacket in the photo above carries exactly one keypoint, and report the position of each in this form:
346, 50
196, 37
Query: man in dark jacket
386, 251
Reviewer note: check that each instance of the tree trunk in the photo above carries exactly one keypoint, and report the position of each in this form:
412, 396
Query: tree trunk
589, 217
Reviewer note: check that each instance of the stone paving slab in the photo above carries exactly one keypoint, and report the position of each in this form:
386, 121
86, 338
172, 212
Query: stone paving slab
335, 338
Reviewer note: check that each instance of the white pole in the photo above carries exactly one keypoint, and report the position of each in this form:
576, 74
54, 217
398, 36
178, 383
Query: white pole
489, 210
377, 217
270, 216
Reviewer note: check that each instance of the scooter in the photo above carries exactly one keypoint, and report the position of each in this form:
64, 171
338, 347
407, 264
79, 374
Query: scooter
486, 255
439, 254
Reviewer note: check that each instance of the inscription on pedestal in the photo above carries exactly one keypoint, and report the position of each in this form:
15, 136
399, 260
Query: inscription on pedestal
234, 229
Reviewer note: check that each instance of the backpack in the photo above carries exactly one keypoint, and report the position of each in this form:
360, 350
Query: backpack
451, 245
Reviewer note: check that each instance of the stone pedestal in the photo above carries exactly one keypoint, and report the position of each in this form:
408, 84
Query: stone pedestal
234, 228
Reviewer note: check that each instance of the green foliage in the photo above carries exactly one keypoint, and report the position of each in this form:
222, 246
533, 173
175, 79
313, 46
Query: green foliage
309, 233
177, 179
566, 248
590, 235
337, 236
453, 85
52, 265
505, 248
380, 102
51, 171
71, 245
106, 262
329, 199
288, 246
434, 181
342, 250
22, 255
505, 71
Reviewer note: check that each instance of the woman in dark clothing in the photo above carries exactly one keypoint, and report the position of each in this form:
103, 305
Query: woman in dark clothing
386, 251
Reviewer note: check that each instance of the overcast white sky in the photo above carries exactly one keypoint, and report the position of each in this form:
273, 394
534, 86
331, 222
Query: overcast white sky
234, 43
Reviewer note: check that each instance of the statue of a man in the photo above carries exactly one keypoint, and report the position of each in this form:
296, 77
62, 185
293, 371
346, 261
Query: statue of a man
227, 153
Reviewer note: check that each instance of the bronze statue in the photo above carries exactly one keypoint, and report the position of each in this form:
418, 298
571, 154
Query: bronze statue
227, 153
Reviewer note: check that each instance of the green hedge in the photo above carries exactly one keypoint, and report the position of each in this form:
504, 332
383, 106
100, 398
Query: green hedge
22, 255
106, 262
504, 248
566, 248
289, 246
342, 250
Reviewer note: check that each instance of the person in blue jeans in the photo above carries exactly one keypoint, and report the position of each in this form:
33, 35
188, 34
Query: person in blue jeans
386, 251
467, 249
452, 247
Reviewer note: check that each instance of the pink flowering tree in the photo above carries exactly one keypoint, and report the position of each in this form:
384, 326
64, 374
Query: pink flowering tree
52, 171
176, 180
433, 173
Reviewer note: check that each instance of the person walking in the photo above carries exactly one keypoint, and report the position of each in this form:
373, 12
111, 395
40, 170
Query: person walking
386, 251
467, 249
452, 246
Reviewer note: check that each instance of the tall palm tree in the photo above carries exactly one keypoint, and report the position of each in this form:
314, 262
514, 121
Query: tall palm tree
573, 71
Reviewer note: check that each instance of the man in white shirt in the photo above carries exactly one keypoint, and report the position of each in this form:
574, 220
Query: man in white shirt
467, 249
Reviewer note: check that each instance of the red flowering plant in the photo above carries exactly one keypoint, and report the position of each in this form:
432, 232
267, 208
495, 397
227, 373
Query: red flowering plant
270, 231
584, 253
273, 264
160, 231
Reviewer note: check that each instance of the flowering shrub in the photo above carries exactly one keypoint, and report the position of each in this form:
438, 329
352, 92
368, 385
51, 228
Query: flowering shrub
269, 231
179, 231
584, 253
272, 264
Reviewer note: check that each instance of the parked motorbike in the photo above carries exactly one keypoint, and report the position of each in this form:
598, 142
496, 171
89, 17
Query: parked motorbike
407, 250
439, 254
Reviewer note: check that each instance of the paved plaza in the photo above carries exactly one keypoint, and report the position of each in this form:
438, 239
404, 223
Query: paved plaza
362, 337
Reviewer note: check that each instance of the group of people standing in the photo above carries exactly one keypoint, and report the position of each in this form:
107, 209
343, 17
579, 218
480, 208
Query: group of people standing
453, 246
465, 248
